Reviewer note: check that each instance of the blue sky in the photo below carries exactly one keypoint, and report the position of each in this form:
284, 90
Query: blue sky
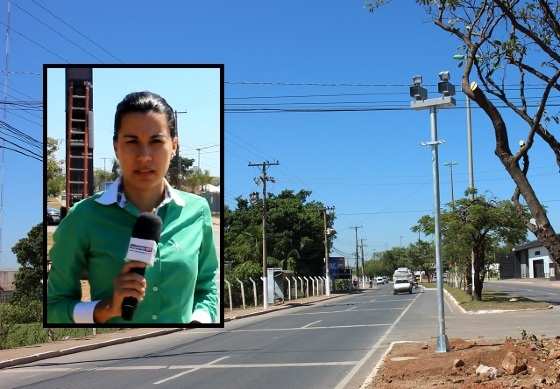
369, 165
195, 91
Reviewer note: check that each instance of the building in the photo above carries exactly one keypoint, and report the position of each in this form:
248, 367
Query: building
7, 278
529, 260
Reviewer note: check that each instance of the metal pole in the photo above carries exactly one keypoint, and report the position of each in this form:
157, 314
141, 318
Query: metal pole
471, 178
327, 275
442, 343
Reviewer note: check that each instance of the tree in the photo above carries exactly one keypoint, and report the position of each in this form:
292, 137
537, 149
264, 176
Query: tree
294, 232
184, 165
55, 178
101, 176
196, 180
29, 253
478, 224
520, 40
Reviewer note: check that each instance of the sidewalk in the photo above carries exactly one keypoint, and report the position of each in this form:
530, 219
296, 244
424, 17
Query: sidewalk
21, 355
544, 282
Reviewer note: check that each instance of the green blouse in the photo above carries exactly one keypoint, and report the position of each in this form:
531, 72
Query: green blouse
94, 237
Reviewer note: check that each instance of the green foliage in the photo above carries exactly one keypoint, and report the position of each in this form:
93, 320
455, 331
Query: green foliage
29, 253
247, 270
55, 178
181, 163
17, 313
479, 225
195, 180
100, 176
295, 236
342, 285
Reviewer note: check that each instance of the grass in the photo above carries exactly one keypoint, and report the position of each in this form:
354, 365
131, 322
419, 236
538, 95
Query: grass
33, 333
490, 300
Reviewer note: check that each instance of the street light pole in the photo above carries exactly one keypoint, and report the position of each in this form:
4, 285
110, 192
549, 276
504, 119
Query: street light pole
421, 102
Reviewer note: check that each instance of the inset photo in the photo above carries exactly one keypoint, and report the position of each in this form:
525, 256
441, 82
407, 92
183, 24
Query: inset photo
133, 195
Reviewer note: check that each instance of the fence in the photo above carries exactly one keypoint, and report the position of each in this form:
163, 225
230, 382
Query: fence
249, 289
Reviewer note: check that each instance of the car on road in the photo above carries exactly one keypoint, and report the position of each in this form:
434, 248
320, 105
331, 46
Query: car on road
53, 216
402, 285
379, 280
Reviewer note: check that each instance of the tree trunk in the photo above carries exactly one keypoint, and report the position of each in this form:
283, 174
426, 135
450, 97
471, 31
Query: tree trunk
479, 252
542, 227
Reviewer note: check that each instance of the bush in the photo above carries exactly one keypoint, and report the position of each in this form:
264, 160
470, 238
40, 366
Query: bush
247, 270
342, 285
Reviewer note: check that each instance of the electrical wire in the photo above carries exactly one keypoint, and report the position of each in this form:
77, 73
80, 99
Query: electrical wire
38, 4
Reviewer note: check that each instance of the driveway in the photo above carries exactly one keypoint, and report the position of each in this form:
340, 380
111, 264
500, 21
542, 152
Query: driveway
540, 290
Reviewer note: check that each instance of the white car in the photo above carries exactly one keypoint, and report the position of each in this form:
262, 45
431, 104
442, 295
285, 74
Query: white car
379, 280
402, 285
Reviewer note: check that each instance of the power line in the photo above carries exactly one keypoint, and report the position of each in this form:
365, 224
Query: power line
36, 43
57, 32
38, 4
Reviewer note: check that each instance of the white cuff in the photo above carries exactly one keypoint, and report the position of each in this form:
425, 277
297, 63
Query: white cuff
83, 312
201, 316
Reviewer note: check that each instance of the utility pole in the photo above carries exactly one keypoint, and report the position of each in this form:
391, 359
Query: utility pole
263, 178
451, 164
326, 232
357, 256
177, 152
363, 273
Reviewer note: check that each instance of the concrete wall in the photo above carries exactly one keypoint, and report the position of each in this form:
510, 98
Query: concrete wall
7, 278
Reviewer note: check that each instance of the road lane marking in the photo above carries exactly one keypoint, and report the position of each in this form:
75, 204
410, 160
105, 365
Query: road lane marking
301, 364
311, 328
342, 384
351, 308
345, 310
310, 324
117, 368
190, 371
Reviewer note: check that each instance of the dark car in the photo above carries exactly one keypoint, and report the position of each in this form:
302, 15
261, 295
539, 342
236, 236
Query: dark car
53, 216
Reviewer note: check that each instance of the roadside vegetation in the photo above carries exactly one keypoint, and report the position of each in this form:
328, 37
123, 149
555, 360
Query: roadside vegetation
490, 300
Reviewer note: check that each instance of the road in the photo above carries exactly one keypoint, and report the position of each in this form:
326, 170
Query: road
537, 292
333, 344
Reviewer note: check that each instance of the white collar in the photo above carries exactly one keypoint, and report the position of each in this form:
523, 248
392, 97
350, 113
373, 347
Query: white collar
114, 194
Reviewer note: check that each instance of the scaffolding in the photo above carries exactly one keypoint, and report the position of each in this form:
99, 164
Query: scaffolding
79, 135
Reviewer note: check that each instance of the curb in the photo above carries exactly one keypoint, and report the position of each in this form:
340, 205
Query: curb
112, 342
369, 379
486, 311
77, 349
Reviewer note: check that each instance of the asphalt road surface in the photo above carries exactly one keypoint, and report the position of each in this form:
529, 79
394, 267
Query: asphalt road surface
333, 344
531, 291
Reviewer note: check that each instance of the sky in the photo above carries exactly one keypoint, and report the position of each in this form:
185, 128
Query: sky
370, 165
194, 91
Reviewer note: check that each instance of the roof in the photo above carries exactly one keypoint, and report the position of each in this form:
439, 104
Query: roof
530, 245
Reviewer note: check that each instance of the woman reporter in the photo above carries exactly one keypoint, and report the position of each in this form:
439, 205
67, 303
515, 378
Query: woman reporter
180, 285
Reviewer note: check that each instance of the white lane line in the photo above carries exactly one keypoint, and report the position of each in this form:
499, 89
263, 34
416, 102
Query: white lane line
372, 301
345, 310
351, 308
392, 301
230, 366
117, 368
190, 371
311, 328
310, 324
342, 384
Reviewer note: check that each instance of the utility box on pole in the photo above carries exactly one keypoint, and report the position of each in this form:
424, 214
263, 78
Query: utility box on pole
79, 134
275, 280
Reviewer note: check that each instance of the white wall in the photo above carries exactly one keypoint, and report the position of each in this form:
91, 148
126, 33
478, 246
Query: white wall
542, 254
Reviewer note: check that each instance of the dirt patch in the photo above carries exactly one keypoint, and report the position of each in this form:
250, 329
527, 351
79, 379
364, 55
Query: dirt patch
417, 365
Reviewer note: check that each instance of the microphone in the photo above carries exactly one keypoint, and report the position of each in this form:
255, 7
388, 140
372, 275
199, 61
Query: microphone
142, 247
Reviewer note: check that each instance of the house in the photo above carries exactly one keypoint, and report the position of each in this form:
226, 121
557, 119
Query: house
529, 260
